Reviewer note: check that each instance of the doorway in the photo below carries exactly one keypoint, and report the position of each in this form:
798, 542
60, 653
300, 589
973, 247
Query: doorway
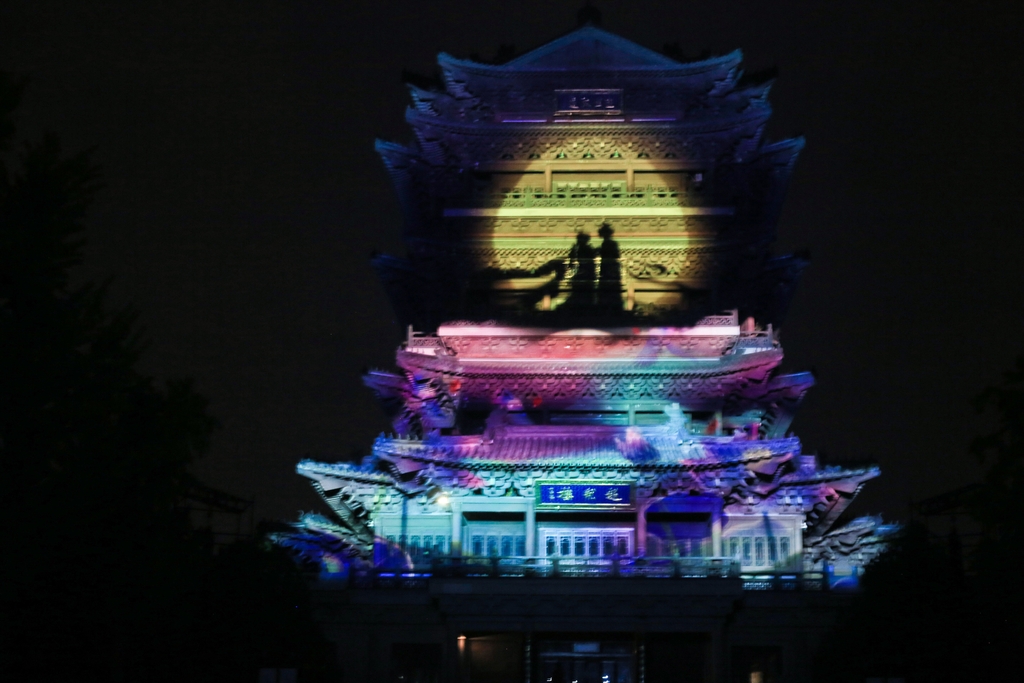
586, 661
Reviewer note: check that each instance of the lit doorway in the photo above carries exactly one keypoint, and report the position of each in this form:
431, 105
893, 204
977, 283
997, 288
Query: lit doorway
586, 661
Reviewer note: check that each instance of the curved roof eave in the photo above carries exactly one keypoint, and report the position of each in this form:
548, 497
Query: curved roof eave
724, 365
463, 455
387, 147
727, 61
694, 126
644, 60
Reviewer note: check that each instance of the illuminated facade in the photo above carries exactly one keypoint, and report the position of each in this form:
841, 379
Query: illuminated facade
592, 390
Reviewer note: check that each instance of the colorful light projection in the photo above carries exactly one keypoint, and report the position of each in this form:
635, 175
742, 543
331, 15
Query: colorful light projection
585, 238
646, 192
656, 230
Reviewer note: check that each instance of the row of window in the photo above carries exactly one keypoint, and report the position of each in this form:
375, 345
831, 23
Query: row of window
493, 545
601, 544
759, 551
418, 546
751, 551
588, 544
678, 547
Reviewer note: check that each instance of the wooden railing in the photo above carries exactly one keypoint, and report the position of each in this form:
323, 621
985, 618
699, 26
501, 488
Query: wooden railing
785, 581
555, 567
417, 576
576, 197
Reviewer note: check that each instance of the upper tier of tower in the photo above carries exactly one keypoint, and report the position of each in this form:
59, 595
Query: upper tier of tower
517, 170
624, 83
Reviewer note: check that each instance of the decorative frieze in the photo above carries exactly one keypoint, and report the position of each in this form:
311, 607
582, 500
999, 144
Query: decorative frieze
575, 347
567, 227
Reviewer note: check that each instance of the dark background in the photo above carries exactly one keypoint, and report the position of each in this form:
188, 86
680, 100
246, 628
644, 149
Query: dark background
243, 199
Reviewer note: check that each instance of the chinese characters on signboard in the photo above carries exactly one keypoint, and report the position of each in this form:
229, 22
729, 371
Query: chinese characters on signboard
589, 101
585, 495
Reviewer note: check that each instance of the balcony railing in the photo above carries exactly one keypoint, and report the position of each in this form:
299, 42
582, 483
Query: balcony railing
581, 568
553, 567
529, 197
785, 581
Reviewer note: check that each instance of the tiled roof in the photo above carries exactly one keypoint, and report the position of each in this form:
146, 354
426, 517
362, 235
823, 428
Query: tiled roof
616, 447
342, 470
759, 363
832, 475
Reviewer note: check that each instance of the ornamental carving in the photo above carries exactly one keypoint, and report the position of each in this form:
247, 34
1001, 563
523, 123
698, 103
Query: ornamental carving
571, 347
512, 144
496, 390
687, 263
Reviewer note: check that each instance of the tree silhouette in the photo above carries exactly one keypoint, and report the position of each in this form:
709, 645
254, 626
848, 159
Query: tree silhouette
997, 506
102, 576
920, 615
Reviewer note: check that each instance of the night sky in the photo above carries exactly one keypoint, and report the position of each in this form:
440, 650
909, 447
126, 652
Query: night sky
243, 199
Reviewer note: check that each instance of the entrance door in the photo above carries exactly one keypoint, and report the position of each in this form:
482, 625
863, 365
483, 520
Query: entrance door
575, 661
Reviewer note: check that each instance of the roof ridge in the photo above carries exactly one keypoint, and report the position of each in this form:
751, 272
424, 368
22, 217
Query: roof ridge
646, 58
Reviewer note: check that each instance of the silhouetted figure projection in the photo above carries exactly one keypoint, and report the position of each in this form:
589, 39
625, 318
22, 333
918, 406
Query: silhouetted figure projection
609, 287
554, 270
581, 257
548, 276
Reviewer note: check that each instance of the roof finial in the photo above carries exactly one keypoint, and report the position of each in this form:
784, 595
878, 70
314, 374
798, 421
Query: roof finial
588, 14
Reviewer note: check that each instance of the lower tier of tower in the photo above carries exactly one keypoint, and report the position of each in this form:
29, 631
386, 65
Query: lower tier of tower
686, 527
594, 631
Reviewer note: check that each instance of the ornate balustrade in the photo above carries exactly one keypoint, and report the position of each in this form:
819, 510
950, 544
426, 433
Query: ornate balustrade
555, 568
552, 567
806, 581
759, 341
433, 345
580, 568
529, 197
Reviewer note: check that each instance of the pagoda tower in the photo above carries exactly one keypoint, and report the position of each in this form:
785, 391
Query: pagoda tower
590, 384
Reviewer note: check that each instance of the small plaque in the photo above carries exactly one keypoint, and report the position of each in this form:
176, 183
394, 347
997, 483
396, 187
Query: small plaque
584, 495
590, 102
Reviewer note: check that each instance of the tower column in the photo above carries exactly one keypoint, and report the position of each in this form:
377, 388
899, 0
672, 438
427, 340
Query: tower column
716, 534
641, 527
456, 548
531, 529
